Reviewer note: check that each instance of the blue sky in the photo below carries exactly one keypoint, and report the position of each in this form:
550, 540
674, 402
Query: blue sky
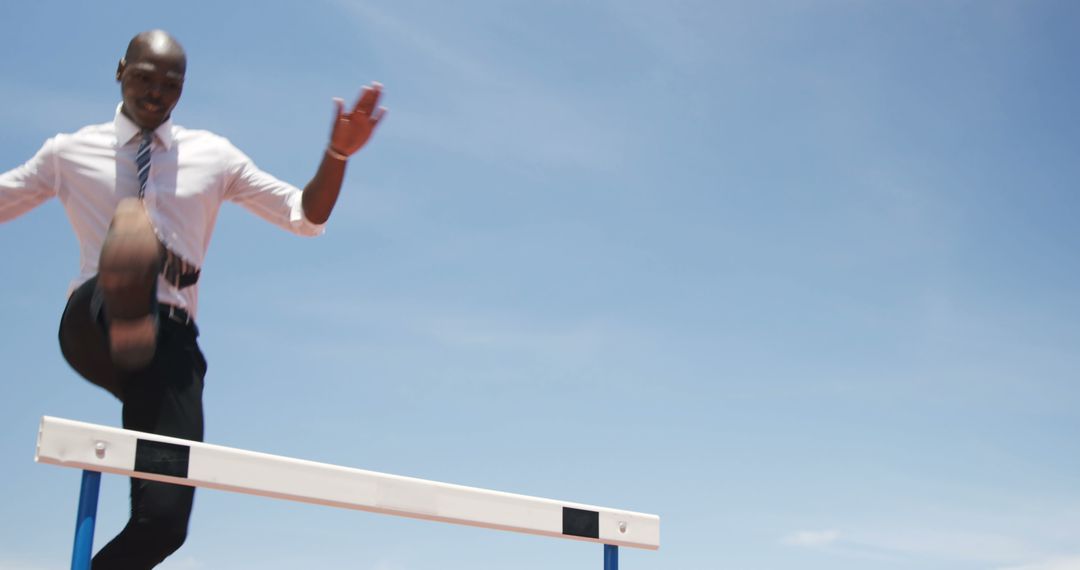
799, 277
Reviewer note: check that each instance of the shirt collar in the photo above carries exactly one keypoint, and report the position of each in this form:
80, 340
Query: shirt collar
127, 130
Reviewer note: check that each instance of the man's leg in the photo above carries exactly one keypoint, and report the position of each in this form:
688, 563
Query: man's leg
83, 340
110, 334
110, 323
164, 399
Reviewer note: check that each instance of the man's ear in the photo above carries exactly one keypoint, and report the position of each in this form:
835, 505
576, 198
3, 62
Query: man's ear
120, 68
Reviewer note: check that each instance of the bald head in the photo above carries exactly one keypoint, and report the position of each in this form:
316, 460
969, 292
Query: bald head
151, 77
156, 43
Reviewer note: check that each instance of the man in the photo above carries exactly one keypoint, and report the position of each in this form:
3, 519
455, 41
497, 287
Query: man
142, 195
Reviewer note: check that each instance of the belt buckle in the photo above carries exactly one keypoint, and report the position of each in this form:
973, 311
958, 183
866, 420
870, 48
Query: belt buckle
179, 315
177, 271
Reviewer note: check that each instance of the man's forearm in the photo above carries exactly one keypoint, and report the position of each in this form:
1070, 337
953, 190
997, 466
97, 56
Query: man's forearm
321, 193
350, 132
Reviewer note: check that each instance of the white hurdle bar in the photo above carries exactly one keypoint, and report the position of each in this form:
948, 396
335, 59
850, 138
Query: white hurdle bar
100, 449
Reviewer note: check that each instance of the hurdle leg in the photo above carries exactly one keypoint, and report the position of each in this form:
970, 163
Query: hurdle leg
611, 557
84, 521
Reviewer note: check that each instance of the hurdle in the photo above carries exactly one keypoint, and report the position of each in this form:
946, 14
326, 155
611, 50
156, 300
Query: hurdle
98, 449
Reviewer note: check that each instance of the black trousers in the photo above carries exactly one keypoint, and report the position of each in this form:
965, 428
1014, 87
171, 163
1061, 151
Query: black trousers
165, 398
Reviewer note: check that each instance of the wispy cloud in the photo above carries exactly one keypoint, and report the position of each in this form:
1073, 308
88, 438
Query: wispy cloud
23, 565
928, 544
492, 333
440, 53
1066, 563
682, 34
183, 563
478, 104
485, 333
387, 565
811, 538
51, 110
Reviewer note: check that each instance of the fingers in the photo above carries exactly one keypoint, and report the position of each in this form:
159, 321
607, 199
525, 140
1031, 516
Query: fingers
369, 98
339, 107
378, 115
352, 129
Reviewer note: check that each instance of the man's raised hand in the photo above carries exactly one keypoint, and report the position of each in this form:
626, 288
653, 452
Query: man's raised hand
352, 129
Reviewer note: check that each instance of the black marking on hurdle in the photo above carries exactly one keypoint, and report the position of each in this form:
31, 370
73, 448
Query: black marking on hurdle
161, 458
578, 522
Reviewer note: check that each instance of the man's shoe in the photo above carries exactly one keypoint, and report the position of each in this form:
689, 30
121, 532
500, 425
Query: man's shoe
127, 275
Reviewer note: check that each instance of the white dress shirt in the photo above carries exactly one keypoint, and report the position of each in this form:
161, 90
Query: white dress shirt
191, 173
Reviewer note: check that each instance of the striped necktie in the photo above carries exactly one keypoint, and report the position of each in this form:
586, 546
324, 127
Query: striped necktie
142, 160
174, 269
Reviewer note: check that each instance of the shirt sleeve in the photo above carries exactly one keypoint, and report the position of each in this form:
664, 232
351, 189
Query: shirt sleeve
265, 196
27, 186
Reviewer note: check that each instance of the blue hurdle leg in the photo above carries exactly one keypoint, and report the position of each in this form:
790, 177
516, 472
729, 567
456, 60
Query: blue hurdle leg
84, 521
611, 557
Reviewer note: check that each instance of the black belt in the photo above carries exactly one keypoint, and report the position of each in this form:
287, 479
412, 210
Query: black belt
176, 314
178, 271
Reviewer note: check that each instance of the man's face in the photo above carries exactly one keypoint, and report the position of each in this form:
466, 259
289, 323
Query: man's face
150, 85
